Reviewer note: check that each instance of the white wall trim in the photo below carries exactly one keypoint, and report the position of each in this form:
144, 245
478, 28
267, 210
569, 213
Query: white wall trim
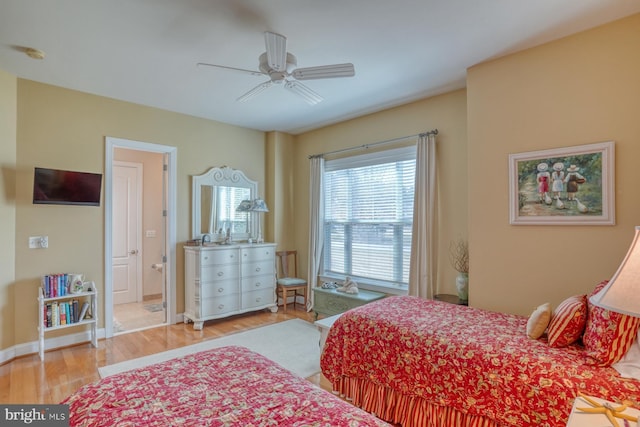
8, 354
32, 347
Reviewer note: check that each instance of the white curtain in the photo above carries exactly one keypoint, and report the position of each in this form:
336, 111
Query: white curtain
316, 224
423, 266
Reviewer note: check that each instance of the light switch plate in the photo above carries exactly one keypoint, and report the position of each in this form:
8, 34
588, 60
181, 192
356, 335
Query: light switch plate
38, 242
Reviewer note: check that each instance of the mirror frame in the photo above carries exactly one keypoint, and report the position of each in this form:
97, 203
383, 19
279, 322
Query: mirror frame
220, 177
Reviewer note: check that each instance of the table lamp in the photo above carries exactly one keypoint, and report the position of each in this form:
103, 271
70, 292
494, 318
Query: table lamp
259, 205
245, 206
622, 293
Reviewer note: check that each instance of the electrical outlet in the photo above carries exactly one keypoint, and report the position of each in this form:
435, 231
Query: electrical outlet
38, 242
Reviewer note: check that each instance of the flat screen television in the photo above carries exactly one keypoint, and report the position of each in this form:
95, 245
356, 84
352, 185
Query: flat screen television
60, 187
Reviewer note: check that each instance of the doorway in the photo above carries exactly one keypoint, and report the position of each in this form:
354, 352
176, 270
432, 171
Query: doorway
140, 194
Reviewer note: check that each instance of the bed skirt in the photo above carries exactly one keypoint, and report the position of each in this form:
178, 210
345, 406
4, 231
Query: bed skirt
408, 411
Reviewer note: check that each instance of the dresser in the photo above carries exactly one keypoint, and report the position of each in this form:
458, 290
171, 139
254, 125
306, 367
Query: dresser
222, 280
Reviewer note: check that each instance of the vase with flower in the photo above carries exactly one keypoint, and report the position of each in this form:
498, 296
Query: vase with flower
459, 258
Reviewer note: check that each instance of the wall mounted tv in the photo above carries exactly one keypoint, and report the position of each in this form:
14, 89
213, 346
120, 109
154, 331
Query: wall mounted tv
60, 187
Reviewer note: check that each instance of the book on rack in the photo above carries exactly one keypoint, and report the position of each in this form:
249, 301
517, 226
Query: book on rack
48, 315
74, 311
56, 285
63, 313
55, 314
83, 311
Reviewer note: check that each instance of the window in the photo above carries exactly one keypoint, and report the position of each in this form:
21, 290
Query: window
368, 217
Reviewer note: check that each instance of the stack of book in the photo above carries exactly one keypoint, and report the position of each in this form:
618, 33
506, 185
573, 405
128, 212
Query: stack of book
56, 285
59, 313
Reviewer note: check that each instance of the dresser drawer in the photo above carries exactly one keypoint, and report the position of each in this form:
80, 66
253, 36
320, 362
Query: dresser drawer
258, 298
250, 284
257, 254
216, 289
258, 268
222, 256
219, 305
219, 272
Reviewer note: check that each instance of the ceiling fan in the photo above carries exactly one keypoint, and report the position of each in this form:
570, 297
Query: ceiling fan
279, 65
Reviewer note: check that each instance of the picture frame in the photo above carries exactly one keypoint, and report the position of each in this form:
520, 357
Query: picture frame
563, 186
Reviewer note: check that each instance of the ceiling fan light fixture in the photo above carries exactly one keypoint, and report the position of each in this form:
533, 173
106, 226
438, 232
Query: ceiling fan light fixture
307, 94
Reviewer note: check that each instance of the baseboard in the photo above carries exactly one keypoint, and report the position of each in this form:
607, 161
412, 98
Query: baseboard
150, 297
8, 354
18, 350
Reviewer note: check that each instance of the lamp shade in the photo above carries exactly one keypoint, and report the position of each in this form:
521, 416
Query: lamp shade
622, 293
259, 205
244, 206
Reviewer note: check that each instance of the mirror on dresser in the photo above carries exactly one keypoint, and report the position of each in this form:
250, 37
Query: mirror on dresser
216, 195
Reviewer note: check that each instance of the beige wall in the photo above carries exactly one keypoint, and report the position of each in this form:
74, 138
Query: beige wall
279, 193
65, 129
447, 113
578, 90
8, 123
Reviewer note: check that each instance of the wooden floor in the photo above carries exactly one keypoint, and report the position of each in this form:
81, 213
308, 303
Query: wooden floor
28, 380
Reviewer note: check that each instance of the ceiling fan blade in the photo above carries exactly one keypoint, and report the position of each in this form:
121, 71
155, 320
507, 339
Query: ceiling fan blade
256, 90
242, 70
307, 94
324, 72
276, 51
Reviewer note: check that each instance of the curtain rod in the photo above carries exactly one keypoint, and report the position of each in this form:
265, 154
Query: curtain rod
373, 144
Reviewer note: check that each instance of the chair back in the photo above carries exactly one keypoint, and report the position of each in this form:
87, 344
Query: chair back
286, 265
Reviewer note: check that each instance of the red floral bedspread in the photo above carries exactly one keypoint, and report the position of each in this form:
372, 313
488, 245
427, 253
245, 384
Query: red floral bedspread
228, 386
477, 362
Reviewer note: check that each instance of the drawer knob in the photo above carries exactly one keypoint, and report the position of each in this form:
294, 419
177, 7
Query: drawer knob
258, 284
258, 299
257, 268
221, 306
220, 289
206, 258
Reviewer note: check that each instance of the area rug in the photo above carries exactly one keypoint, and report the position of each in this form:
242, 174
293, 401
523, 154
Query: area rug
294, 344
153, 308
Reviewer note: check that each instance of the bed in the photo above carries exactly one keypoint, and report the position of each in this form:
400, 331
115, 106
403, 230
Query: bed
420, 362
228, 386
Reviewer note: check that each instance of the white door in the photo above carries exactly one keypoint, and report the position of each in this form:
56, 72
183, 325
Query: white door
126, 238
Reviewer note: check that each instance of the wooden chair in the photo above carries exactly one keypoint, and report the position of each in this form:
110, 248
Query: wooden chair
287, 282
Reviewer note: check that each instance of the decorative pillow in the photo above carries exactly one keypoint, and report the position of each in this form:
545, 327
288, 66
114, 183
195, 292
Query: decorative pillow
568, 321
608, 335
629, 365
538, 321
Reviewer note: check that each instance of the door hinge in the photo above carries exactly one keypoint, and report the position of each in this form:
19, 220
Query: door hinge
164, 258
164, 212
165, 167
164, 304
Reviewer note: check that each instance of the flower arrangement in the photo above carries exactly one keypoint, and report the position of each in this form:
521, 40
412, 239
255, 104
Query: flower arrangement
459, 255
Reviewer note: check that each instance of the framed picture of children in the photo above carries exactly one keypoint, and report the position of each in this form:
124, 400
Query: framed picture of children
570, 185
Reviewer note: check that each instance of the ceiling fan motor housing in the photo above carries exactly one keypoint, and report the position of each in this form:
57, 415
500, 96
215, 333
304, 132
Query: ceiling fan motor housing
277, 76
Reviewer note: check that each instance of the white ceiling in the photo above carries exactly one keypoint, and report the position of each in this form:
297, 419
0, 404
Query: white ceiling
145, 51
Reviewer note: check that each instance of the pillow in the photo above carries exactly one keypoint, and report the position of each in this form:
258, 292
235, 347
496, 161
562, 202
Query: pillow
608, 335
538, 321
568, 321
629, 365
